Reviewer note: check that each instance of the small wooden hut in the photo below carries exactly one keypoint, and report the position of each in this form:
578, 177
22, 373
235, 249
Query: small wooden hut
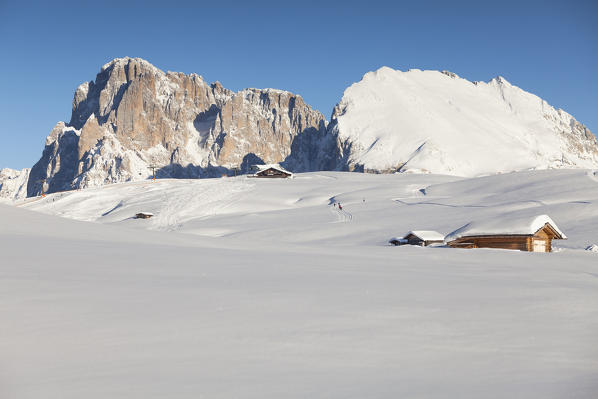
533, 234
143, 215
272, 171
419, 237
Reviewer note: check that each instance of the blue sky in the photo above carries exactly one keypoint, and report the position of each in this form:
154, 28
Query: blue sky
315, 49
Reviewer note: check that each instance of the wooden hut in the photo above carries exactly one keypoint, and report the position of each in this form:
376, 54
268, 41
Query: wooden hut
272, 171
419, 237
534, 234
143, 215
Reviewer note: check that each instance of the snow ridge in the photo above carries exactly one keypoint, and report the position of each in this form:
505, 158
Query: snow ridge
437, 122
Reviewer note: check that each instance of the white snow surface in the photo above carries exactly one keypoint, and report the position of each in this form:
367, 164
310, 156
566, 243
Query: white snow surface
519, 225
429, 121
261, 288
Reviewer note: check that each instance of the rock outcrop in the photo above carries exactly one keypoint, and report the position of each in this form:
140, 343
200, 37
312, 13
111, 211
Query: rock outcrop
134, 116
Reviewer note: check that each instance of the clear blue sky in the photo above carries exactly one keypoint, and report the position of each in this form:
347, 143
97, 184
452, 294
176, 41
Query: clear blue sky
313, 48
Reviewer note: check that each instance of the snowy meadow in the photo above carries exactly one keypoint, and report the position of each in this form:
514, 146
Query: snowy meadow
253, 288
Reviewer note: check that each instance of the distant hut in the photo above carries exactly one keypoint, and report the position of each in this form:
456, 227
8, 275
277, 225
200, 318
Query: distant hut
419, 237
533, 234
272, 171
143, 215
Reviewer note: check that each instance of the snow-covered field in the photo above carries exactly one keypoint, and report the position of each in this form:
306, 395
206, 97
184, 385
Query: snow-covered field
252, 288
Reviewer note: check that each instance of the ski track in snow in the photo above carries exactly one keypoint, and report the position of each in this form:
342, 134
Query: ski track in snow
191, 200
341, 214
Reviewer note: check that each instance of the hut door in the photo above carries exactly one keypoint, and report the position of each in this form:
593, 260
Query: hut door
539, 246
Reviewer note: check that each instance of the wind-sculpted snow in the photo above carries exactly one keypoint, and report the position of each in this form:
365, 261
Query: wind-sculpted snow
428, 121
270, 294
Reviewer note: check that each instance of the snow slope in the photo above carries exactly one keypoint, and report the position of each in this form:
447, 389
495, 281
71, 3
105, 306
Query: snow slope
260, 288
440, 123
13, 183
300, 210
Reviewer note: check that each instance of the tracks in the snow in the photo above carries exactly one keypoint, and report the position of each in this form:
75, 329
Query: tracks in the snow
342, 215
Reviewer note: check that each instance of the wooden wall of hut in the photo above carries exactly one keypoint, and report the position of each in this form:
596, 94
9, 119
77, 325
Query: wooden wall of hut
521, 243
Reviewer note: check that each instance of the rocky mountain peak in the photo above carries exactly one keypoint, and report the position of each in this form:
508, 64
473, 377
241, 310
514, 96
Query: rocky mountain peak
133, 115
449, 74
500, 80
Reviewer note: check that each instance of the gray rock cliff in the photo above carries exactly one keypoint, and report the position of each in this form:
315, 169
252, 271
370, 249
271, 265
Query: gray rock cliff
134, 116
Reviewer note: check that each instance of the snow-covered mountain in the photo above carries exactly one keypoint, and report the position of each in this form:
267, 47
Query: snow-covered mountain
134, 116
13, 183
437, 122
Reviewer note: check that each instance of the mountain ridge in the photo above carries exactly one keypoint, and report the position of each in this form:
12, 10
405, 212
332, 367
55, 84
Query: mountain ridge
134, 116
437, 122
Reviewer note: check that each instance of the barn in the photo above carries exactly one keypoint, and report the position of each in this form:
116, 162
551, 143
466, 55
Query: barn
272, 171
419, 237
530, 233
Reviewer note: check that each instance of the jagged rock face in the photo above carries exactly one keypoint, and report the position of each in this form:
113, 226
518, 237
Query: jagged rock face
437, 122
134, 116
13, 183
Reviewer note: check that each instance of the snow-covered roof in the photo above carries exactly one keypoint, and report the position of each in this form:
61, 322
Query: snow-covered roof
505, 225
427, 235
276, 166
